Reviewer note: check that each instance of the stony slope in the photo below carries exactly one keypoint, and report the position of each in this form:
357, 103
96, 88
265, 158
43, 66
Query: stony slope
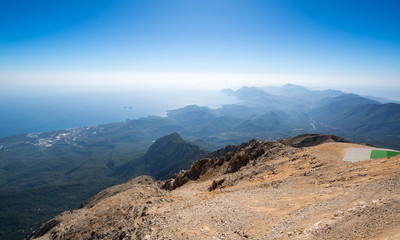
258, 190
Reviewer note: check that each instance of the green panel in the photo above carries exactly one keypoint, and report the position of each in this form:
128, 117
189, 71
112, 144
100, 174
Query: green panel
392, 154
382, 154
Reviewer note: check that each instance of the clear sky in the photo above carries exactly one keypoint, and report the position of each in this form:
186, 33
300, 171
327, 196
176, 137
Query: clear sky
199, 43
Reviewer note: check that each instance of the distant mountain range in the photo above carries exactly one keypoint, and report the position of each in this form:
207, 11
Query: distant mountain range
79, 162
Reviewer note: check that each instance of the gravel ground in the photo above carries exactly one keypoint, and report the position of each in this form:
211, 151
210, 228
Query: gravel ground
301, 193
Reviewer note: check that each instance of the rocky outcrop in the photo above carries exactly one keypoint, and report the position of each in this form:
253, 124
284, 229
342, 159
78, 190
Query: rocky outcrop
215, 184
198, 167
233, 160
44, 229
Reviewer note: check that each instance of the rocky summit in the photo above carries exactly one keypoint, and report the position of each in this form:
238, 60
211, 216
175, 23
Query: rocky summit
296, 188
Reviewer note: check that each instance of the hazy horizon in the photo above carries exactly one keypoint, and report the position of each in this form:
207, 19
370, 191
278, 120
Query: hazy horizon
33, 112
199, 44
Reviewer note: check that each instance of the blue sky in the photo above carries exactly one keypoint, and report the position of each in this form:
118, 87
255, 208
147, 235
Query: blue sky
245, 42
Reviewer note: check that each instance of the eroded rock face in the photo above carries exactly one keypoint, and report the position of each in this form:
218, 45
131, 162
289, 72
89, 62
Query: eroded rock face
44, 229
197, 168
232, 161
259, 190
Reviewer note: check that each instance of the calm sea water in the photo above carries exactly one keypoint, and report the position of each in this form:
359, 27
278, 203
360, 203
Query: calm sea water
31, 113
